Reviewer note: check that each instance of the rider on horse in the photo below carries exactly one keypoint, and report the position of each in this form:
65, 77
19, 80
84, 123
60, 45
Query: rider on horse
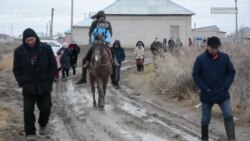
94, 24
99, 30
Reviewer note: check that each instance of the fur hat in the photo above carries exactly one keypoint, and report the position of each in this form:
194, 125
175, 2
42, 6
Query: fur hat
99, 15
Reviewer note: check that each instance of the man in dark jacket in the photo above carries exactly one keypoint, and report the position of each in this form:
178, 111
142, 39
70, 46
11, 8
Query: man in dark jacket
119, 54
214, 73
155, 46
99, 15
34, 68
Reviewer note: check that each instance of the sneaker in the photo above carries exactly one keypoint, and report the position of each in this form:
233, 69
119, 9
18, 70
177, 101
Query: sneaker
43, 130
31, 138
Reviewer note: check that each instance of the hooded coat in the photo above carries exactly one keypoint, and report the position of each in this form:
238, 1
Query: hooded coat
65, 58
119, 52
34, 68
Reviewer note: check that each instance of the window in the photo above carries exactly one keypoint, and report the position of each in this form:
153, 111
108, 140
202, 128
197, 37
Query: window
174, 31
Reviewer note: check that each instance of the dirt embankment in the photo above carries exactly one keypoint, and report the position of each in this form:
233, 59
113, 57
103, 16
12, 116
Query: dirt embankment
6, 55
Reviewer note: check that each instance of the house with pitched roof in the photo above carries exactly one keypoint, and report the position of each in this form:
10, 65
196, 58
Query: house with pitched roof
80, 32
208, 31
134, 20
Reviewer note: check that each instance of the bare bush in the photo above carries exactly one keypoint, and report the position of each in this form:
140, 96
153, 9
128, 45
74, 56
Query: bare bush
241, 86
174, 75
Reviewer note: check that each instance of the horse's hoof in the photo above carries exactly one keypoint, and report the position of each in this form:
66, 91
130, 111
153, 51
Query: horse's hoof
101, 108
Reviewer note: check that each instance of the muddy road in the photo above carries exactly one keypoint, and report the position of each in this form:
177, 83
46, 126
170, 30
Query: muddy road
130, 114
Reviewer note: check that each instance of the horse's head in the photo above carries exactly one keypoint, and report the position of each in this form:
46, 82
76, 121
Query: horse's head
98, 47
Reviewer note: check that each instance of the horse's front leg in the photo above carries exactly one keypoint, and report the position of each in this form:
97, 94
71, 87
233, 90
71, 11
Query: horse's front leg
101, 94
104, 85
92, 83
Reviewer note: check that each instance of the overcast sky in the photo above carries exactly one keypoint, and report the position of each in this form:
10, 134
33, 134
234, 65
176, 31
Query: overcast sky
36, 13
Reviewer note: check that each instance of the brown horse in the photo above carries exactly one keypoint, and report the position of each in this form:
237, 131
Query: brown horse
99, 70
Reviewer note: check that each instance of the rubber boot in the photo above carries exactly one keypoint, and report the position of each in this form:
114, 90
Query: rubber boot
204, 132
229, 126
83, 80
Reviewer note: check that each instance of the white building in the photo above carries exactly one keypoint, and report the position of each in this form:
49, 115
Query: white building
134, 20
208, 31
80, 32
243, 35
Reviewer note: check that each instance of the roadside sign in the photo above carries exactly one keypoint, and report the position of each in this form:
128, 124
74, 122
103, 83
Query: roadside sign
223, 10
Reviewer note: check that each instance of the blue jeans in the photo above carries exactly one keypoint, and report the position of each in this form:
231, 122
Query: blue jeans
207, 109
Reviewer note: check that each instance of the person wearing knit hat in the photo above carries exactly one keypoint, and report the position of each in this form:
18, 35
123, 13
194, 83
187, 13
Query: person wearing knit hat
34, 68
214, 73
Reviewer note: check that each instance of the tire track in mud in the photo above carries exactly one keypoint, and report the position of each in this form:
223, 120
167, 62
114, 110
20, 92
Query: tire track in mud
167, 118
126, 117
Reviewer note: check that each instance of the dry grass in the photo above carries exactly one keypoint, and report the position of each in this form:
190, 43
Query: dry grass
174, 75
175, 81
6, 62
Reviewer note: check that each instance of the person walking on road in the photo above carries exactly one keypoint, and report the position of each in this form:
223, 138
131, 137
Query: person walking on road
214, 73
119, 54
139, 53
34, 68
75, 50
65, 60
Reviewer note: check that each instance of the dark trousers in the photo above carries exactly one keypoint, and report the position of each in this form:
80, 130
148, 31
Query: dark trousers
89, 55
65, 71
115, 77
140, 67
74, 69
44, 105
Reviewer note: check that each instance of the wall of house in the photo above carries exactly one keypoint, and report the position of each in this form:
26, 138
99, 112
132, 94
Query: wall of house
207, 34
67, 38
130, 29
81, 35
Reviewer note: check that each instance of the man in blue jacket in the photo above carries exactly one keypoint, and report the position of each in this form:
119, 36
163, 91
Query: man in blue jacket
214, 73
119, 54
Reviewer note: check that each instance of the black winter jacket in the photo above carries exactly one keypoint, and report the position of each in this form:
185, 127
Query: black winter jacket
36, 79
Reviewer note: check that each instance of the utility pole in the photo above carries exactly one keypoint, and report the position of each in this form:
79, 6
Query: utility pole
236, 22
72, 13
11, 30
51, 23
47, 26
